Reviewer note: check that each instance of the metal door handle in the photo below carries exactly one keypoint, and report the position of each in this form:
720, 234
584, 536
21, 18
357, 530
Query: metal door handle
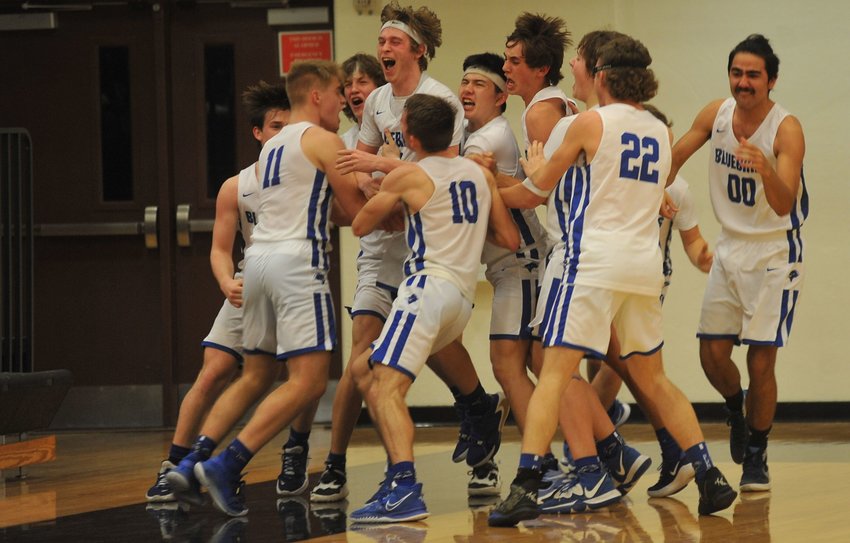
185, 225
147, 228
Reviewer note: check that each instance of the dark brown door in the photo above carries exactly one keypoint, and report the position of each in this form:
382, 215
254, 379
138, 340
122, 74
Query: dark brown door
130, 107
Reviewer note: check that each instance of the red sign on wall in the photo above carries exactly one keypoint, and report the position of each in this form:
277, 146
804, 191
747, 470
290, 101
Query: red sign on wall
294, 46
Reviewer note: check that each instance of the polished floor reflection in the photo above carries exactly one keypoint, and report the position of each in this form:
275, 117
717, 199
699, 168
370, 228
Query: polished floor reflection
94, 492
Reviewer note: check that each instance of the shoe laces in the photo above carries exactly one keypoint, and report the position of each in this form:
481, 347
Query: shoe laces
294, 462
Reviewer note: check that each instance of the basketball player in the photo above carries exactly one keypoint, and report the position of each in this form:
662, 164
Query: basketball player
759, 197
611, 270
446, 199
289, 314
236, 211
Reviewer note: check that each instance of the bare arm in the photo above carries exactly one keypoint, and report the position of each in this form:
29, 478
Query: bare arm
583, 135
542, 118
781, 184
321, 148
502, 229
365, 159
697, 249
224, 233
382, 205
694, 138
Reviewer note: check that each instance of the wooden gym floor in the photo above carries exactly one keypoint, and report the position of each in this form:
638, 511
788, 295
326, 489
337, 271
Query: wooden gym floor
94, 491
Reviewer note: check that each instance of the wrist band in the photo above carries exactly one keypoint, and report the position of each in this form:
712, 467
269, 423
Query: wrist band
529, 184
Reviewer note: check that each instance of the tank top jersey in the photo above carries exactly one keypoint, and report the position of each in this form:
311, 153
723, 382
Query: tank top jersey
684, 219
546, 93
383, 111
737, 193
247, 188
294, 195
558, 203
447, 234
612, 240
497, 137
379, 244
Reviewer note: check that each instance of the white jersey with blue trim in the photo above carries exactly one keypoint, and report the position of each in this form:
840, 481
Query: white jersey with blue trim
447, 234
546, 93
349, 139
383, 112
247, 201
737, 193
295, 198
558, 203
612, 241
497, 137
684, 219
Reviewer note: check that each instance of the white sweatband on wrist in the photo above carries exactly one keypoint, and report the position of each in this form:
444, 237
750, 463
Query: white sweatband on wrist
529, 184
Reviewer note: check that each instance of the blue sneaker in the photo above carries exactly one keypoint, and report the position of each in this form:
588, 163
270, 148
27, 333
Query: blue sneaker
486, 431
756, 477
384, 488
400, 504
627, 467
161, 491
183, 482
293, 472
225, 490
462, 447
619, 413
592, 488
552, 478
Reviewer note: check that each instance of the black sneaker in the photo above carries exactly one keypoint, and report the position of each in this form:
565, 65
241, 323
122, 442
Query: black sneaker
485, 435
161, 491
756, 477
293, 472
332, 516
521, 504
715, 493
674, 475
332, 486
739, 435
462, 447
484, 480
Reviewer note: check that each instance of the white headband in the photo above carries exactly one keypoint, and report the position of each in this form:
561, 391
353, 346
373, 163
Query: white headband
497, 79
398, 25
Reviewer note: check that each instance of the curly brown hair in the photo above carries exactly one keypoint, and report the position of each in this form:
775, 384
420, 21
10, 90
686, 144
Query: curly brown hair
423, 21
628, 77
588, 46
367, 65
544, 40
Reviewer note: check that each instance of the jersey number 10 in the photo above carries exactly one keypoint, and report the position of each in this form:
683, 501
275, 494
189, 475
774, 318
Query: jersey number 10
464, 202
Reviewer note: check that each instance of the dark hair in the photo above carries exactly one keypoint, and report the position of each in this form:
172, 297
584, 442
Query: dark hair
431, 120
543, 40
263, 97
307, 74
490, 62
367, 65
421, 20
625, 60
759, 46
658, 114
590, 44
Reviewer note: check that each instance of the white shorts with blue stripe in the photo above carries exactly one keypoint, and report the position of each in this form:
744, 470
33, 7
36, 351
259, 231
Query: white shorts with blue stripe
226, 332
288, 309
753, 290
429, 313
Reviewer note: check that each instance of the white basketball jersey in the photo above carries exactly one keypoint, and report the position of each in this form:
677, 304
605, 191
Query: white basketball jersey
546, 93
558, 203
612, 240
349, 139
383, 111
247, 200
295, 198
737, 193
447, 234
497, 137
684, 219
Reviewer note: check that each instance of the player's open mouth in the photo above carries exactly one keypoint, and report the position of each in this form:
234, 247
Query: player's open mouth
356, 102
388, 63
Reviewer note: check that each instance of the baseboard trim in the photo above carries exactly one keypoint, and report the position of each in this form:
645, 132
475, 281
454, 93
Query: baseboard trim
706, 412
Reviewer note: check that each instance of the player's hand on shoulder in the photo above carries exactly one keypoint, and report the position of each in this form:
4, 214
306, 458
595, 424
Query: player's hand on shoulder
486, 159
